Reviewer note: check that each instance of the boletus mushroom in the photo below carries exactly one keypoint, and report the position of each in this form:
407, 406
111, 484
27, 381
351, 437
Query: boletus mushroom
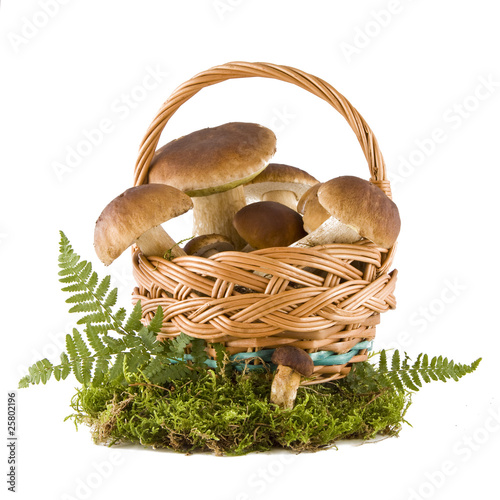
135, 216
357, 209
266, 224
293, 363
207, 245
278, 182
211, 165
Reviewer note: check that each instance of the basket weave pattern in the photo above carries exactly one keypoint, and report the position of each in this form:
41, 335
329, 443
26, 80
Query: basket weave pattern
323, 298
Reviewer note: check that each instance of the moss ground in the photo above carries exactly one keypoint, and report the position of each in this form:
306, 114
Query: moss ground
232, 415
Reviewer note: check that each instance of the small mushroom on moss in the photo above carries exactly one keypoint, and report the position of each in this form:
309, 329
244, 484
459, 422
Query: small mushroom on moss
135, 216
207, 245
293, 363
266, 224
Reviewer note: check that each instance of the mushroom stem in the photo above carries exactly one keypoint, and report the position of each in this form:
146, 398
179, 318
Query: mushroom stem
330, 231
214, 214
287, 198
157, 242
284, 387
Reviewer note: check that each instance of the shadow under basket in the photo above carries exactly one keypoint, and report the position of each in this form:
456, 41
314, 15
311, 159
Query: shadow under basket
325, 299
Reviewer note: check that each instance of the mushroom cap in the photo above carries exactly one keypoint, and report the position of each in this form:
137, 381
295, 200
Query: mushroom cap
134, 212
362, 206
295, 358
207, 242
266, 224
312, 192
313, 213
214, 159
279, 177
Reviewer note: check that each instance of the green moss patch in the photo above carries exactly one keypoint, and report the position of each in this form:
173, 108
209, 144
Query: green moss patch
232, 415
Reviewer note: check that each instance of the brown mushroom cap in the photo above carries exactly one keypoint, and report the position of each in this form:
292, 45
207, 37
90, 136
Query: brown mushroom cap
208, 244
295, 358
277, 179
313, 213
363, 207
214, 159
312, 192
266, 224
132, 214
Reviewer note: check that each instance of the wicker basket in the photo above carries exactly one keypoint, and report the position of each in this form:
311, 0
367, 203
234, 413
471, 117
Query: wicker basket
325, 299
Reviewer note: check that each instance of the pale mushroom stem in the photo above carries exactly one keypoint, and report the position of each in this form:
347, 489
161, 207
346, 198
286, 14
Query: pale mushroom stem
157, 242
214, 214
287, 198
331, 231
284, 387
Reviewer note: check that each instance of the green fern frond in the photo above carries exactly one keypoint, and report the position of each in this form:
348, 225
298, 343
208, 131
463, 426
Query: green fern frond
177, 346
93, 319
134, 319
149, 340
85, 307
71, 348
153, 369
65, 366
404, 376
38, 372
99, 354
88, 294
382, 364
111, 298
115, 373
94, 339
120, 315
103, 287
161, 370
156, 323
100, 371
81, 347
198, 351
133, 361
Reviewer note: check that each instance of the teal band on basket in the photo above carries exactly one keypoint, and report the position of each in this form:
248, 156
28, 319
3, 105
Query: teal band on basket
320, 358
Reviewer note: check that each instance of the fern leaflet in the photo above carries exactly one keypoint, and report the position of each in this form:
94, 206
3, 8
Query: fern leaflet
404, 376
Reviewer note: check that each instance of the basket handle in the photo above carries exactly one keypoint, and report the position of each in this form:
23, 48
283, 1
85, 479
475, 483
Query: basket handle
231, 70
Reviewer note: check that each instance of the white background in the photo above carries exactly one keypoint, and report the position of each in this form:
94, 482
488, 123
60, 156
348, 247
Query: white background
426, 77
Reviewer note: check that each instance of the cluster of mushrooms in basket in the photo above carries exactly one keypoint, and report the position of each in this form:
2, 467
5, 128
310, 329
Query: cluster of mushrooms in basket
241, 202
